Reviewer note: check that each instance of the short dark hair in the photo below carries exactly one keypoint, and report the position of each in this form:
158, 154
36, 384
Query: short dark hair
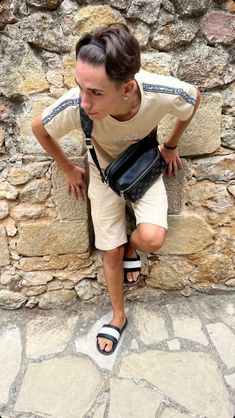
119, 51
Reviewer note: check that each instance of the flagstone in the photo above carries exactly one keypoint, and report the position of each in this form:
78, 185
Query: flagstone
174, 344
10, 359
62, 387
124, 395
48, 335
224, 342
173, 413
191, 379
86, 344
230, 379
186, 324
151, 325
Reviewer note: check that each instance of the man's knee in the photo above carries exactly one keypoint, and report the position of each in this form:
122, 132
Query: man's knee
152, 240
114, 256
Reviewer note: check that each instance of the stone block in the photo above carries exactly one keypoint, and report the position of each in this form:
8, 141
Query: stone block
210, 67
7, 191
172, 274
95, 16
219, 27
175, 188
147, 12
217, 169
57, 299
4, 209
23, 73
156, 62
60, 387
69, 208
45, 238
4, 257
187, 234
36, 191
203, 134
171, 36
11, 300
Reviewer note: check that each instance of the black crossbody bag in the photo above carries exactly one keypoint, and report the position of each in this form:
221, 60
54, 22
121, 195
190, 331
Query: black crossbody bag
134, 171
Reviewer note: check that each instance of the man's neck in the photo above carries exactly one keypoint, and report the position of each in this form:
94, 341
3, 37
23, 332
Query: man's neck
132, 106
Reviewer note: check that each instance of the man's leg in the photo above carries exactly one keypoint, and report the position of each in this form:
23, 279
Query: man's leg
113, 270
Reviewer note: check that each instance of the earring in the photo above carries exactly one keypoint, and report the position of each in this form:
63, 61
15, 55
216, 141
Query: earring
125, 97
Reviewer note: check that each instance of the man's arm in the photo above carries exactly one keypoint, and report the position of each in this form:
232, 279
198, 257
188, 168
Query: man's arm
74, 175
171, 155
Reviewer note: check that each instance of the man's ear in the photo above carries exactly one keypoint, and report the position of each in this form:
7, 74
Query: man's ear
128, 87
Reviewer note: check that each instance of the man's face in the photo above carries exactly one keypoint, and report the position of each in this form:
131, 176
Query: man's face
100, 96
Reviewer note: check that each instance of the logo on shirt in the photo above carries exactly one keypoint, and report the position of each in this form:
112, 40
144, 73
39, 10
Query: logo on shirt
125, 138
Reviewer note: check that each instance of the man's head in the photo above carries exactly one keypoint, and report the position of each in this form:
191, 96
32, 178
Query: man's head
107, 61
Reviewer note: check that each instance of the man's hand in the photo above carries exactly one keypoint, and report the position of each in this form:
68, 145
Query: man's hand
76, 180
172, 159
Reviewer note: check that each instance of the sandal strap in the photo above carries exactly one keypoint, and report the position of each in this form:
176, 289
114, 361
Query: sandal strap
132, 264
110, 333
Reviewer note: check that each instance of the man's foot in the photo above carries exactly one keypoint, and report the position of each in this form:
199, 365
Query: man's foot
109, 335
131, 265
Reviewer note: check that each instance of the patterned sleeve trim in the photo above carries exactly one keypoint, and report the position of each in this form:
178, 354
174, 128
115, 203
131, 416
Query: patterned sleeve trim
170, 90
58, 109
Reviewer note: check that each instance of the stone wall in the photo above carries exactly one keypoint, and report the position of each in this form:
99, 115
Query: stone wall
47, 256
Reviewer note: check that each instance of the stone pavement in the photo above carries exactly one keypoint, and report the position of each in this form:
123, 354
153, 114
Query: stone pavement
176, 359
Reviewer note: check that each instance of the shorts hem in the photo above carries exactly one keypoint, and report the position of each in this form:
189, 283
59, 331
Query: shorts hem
101, 248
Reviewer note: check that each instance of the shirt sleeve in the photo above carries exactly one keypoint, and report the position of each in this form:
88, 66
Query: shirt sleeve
63, 115
183, 99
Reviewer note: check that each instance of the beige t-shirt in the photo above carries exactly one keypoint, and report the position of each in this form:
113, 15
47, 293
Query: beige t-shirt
160, 95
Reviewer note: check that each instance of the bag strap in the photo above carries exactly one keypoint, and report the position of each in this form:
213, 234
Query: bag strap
87, 125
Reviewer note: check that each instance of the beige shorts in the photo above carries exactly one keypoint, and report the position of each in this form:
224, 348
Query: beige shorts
108, 211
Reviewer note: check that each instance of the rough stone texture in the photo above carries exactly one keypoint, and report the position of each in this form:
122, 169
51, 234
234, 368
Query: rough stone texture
170, 274
211, 195
218, 168
195, 140
11, 300
173, 413
152, 329
190, 9
158, 62
42, 31
48, 336
177, 239
36, 191
10, 359
172, 373
170, 37
68, 207
210, 66
219, 27
175, 188
24, 76
57, 299
224, 341
45, 4
43, 238
94, 16
71, 379
147, 12
7, 191
4, 259
121, 401
186, 325
4, 209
